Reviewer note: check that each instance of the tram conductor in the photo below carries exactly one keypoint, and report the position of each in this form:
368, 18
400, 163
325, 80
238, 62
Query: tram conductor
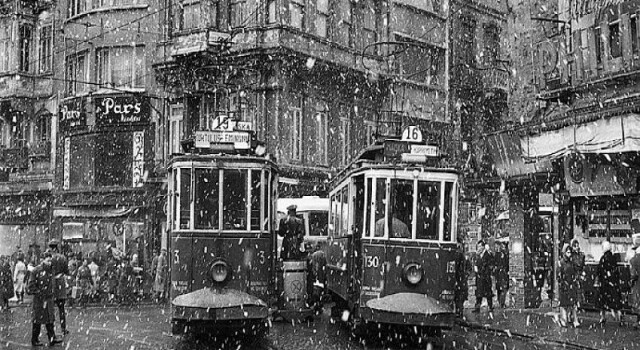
291, 229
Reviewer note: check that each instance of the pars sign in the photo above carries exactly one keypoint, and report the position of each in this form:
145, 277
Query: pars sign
121, 110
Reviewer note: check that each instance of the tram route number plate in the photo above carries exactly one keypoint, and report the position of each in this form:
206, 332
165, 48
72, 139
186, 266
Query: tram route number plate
240, 139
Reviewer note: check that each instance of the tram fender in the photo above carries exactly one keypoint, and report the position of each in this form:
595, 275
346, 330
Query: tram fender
217, 299
409, 303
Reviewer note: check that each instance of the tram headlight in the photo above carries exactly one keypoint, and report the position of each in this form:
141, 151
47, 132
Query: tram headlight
413, 273
219, 271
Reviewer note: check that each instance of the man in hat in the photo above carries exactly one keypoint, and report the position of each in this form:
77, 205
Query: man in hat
41, 287
60, 269
291, 229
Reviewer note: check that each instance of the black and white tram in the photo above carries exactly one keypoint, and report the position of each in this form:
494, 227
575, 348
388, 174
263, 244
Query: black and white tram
222, 197
392, 234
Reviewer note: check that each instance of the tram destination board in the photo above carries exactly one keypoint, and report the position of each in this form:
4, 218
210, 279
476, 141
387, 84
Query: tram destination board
207, 139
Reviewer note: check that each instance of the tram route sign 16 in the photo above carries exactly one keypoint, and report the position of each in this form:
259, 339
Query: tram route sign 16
240, 139
412, 133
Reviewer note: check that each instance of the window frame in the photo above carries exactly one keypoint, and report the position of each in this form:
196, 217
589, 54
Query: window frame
297, 116
618, 32
176, 127
45, 49
322, 15
6, 39
77, 84
105, 74
25, 47
301, 5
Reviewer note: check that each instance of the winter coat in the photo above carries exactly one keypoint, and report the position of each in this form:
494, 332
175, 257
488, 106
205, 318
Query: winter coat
463, 268
634, 293
292, 230
578, 261
60, 268
6, 281
19, 276
484, 269
41, 286
502, 271
568, 283
126, 280
609, 278
84, 280
160, 273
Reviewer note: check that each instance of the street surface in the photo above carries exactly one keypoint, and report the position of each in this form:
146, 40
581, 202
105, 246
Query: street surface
147, 327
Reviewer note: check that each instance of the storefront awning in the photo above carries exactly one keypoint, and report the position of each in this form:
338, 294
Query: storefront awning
506, 152
91, 213
612, 135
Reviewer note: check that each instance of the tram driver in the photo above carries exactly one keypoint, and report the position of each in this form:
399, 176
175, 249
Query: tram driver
291, 228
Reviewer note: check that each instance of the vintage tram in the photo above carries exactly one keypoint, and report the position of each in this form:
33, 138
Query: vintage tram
392, 239
221, 220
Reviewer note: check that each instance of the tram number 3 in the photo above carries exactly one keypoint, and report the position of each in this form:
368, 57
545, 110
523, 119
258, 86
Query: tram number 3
371, 261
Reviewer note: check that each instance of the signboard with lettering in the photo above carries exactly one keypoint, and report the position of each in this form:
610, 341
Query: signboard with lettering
120, 110
66, 163
138, 159
72, 114
412, 133
425, 150
240, 139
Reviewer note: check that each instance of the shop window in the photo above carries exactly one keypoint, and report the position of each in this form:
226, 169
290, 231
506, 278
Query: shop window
24, 47
614, 39
115, 149
297, 11
322, 17
76, 73
45, 45
296, 132
5, 47
120, 66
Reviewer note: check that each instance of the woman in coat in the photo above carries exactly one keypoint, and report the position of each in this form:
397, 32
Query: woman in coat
483, 269
578, 259
19, 278
568, 289
609, 278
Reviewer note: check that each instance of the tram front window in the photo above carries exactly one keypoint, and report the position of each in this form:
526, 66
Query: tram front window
380, 205
207, 188
185, 198
234, 211
448, 210
401, 208
428, 210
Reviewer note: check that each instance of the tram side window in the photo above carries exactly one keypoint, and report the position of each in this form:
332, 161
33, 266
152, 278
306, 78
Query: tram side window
401, 208
185, 198
368, 204
256, 198
344, 227
428, 210
318, 223
207, 196
234, 210
380, 205
448, 210
333, 212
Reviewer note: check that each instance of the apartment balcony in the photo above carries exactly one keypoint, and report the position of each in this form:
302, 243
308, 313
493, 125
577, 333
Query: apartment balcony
495, 78
188, 42
25, 85
15, 157
40, 149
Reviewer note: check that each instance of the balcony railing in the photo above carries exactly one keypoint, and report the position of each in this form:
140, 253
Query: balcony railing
40, 149
14, 158
488, 78
495, 78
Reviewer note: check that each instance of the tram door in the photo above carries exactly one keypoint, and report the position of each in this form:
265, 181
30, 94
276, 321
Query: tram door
355, 250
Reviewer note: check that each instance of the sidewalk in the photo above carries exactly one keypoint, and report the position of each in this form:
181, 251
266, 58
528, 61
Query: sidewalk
542, 325
28, 299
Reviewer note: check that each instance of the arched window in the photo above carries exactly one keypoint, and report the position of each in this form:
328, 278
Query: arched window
41, 128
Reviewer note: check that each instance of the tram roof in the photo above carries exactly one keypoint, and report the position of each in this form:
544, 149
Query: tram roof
383, 155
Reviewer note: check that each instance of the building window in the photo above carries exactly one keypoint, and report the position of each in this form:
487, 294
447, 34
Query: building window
237, 13
120, 66
76, 73
272, 11
345, 137
76, 7
24, 47
5, 47
321, 136
614, 39
421, 63
194, 14
491, 45
597, 33
369, 26
45, 46
296, 132
40, 128
370, 132
296, 10
322, 18
176, 113
633, 29
467, 43
344, 23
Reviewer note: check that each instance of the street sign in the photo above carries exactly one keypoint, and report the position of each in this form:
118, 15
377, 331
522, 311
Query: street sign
412, 133
205, 139
426, 150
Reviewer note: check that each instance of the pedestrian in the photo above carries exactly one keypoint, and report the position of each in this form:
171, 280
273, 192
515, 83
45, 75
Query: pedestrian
19, 278
125, 280
84, 282
461, 291
159, 269
578, 259
60, 270
609, 279
6, 283
317, 277
483, 270
502, 273
568, 288
292, 231
95, 277
111, 278
634, 293
41, 286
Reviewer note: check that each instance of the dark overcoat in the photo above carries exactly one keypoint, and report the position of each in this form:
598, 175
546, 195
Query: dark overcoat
484, 266
41, 287
502, 270
634, 293
463, 268
6, 281
568, 283
609, 277
292, 230
578, 260
60, 269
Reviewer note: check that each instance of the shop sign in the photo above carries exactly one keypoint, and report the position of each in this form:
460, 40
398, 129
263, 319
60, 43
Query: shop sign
72, 115
138, 159
119, 110
599, 177
66, 162
206, 139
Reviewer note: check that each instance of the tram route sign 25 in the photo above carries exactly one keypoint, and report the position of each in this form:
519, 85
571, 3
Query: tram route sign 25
240, 139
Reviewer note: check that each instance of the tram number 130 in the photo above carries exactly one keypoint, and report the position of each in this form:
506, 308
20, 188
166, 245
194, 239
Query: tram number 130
371, 261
